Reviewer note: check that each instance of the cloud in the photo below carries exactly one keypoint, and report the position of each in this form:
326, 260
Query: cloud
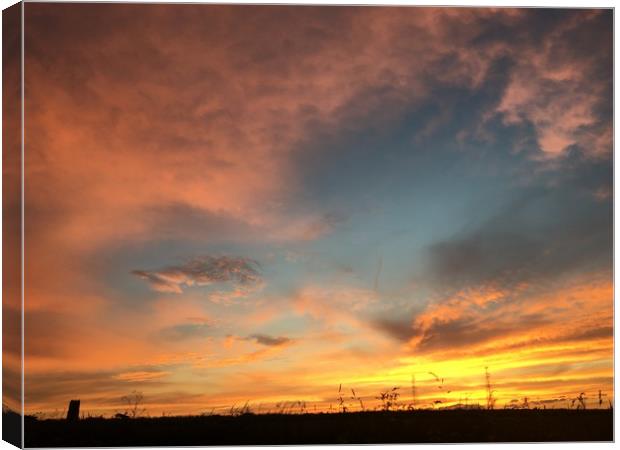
542, 235
560, 89
471, 331
270, 341
202, 271
486, 321
227, 149
140, 376
401, 330
586, 335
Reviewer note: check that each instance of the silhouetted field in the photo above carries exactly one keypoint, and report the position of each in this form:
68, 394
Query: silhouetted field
12, 427
348, 428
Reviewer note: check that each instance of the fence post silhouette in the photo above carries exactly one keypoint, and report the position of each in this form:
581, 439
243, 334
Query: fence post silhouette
74, 411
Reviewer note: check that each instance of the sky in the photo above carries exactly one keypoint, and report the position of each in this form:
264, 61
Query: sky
267, 204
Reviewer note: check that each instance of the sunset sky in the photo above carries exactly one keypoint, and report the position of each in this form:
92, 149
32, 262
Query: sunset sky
260, 203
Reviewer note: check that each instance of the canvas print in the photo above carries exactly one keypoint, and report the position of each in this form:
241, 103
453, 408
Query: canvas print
297, 224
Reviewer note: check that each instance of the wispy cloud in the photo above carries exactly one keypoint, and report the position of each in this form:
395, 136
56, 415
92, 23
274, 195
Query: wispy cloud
270, 341
202, 271
140, 376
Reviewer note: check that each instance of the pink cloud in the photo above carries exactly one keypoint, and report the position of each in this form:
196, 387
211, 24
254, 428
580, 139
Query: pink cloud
556, 94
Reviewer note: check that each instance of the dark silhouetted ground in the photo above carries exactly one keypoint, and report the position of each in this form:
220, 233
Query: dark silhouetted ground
351, 428
12, 428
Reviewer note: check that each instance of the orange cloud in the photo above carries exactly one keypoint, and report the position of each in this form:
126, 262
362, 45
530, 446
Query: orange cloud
140, 376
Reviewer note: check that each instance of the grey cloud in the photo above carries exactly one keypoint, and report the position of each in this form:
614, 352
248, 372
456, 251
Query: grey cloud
270, 341
397, 329
577, 336
594, 333
469, 331
456, 333
540, 236
202, 271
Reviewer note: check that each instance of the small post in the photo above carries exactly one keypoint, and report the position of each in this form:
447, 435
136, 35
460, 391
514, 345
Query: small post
73, 413
413, 390
490, 399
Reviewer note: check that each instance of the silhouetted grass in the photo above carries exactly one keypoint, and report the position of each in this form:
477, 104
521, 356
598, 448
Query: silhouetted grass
418, 426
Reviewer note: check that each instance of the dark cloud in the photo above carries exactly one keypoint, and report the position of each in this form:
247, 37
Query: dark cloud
461, 335
542, 235
471, 331
270, 341
567, 338
397, 329
586, 335
202, 271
